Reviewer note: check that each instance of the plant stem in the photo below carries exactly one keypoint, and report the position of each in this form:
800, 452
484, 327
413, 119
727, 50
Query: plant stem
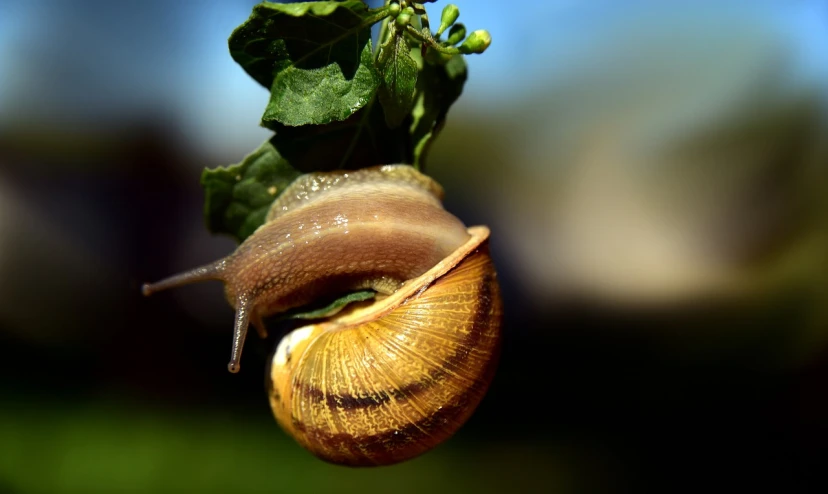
426, 38
383, 32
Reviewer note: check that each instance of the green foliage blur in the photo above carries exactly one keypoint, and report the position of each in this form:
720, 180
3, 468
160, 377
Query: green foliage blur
101, 447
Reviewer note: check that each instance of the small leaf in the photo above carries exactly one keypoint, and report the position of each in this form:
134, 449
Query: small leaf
329, 308
399, 80
315, 57
238, 197
438, 87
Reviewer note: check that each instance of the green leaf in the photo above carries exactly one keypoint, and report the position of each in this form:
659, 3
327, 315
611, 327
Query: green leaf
438, 87
399, 80
329, 308
361, 141
238, 197
315, 57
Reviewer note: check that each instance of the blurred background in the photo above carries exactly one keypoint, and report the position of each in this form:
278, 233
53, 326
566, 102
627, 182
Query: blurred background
655, 175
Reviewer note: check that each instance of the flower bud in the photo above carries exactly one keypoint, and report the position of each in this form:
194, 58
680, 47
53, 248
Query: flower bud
456, 34
477, 42
394, 9
404, 18
450, 15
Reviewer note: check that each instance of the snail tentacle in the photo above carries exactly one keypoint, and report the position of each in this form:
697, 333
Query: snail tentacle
239, 332
209, 272
256, 321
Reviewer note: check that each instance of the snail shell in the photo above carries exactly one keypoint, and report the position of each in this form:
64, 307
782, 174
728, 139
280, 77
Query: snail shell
379, 382
387, 382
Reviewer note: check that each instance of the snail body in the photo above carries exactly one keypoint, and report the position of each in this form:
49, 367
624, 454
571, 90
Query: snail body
380, 381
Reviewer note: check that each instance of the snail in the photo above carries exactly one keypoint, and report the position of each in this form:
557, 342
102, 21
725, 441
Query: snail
380, 381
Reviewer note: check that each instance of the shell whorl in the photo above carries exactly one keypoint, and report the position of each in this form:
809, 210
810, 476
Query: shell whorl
383, 383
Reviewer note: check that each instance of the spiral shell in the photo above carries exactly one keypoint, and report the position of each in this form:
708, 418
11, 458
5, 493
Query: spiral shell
386, 382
